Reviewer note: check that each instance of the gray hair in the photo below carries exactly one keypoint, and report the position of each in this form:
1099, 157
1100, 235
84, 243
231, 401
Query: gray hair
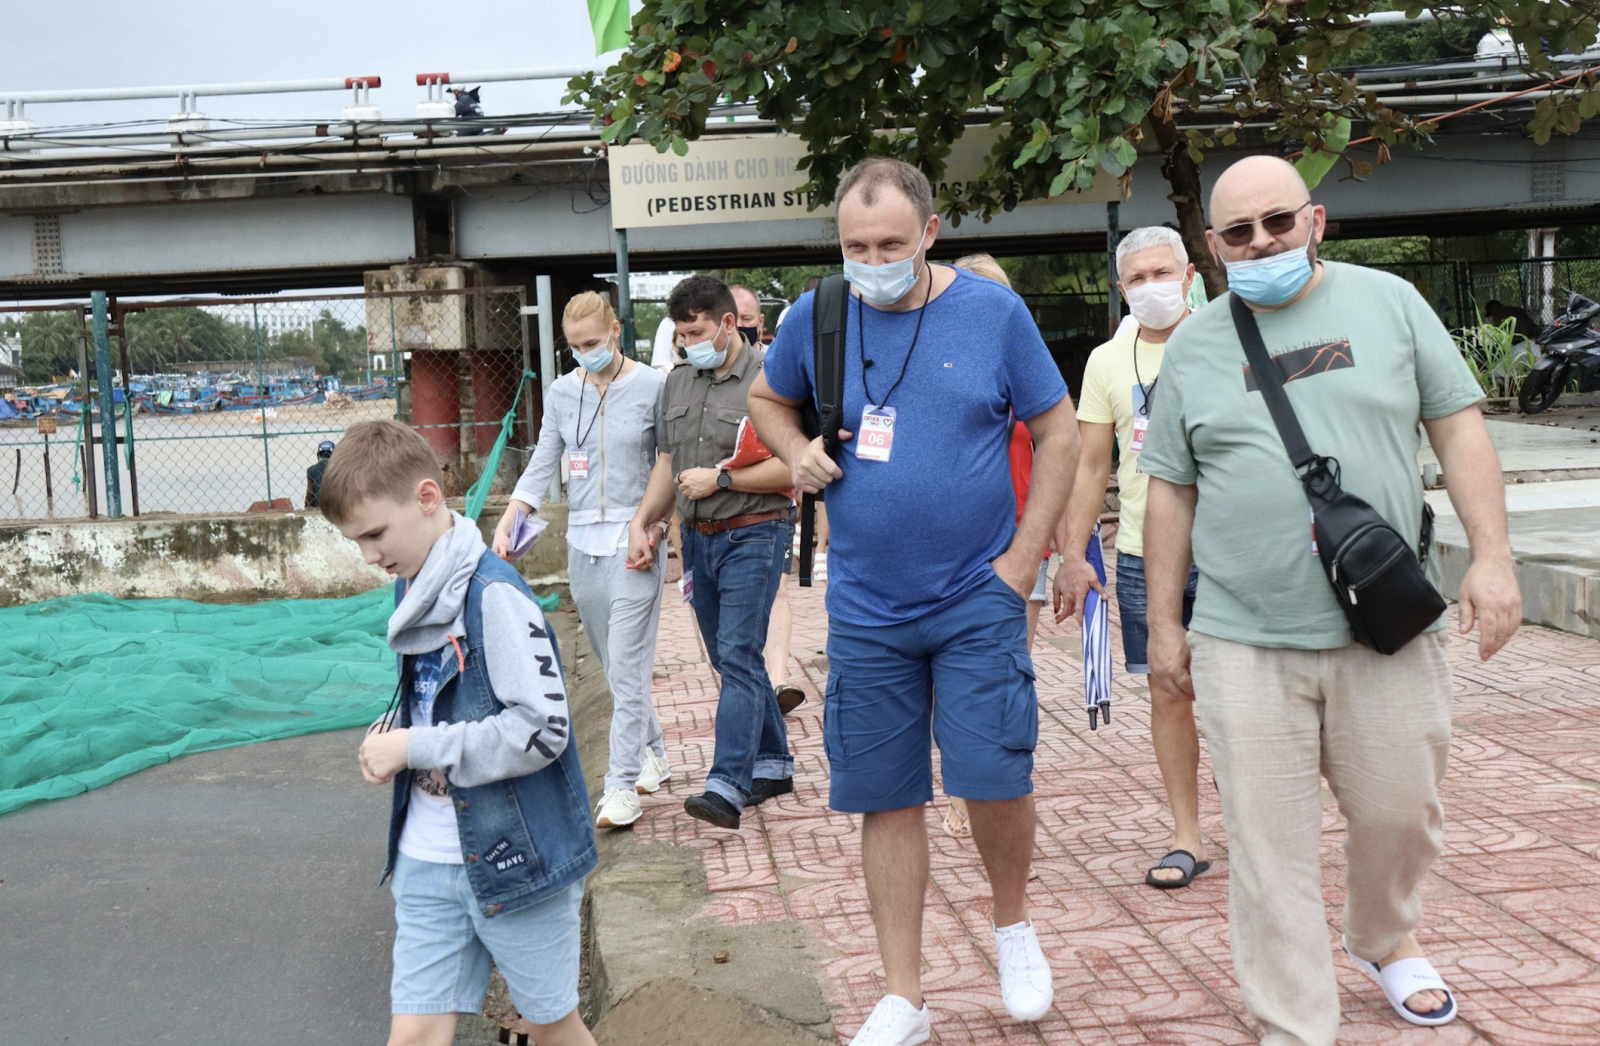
1151, 236
868, 175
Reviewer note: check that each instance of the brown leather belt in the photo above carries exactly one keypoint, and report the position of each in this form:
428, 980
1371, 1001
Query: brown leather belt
717, 526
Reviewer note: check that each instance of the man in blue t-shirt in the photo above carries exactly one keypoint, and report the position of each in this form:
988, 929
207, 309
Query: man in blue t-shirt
929, 570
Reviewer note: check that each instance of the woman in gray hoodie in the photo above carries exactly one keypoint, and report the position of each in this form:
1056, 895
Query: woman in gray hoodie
602, 420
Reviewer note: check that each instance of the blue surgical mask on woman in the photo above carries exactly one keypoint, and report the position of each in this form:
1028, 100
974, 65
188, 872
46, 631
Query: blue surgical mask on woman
1272, 280
704, 355
595, 360
887, 283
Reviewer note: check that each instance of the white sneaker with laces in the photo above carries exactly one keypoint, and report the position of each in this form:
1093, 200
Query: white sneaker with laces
894, 1022
618, 807
1025, 982
655, 773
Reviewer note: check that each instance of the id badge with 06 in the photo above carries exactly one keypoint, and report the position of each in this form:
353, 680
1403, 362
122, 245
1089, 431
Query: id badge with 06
876, 438
1141, 425
578, 464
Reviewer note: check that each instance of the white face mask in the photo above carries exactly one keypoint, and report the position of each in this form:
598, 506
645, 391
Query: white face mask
1157, 306
885, 284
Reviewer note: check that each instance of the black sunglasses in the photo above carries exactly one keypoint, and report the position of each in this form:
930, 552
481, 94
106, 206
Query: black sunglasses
1276, 224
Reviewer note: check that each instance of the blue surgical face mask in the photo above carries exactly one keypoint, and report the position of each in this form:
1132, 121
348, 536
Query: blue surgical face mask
595, 360
1272, 280
885, 284
704, 355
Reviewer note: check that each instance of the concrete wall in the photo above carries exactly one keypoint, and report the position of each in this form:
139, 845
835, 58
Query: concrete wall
216, 559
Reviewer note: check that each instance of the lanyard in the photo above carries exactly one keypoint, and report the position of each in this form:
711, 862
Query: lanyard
1147, 391
861, 346
583, 434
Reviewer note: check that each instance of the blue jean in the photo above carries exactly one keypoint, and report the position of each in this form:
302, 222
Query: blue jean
443, 945
1132, 604
880, 707
736, 576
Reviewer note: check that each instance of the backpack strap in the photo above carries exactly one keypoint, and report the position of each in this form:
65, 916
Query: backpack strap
830, 312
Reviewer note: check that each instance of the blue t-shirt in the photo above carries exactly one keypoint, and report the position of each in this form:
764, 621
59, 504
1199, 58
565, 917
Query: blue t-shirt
912, 534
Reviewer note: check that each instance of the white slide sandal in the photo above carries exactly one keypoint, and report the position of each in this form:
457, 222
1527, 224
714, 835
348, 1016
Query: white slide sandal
1402, 979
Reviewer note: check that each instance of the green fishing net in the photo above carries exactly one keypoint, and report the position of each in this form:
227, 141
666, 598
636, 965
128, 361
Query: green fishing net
97, 688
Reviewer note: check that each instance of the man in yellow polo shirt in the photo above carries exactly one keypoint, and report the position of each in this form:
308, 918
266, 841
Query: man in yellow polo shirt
1119, 386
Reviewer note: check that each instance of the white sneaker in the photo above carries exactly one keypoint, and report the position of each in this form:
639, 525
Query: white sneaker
618, 807
654, 775
1024, 973
894, 1022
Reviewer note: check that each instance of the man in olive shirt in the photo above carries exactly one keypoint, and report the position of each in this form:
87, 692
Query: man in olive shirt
736, 529
1284, 695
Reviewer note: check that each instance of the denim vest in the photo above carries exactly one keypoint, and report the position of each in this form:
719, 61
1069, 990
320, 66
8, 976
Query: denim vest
523, 839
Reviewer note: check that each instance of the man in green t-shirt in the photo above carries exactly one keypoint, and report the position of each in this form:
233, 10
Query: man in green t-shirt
1119, 389
1282, 691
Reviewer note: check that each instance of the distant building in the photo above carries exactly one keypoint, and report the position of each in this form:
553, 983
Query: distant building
276, 318
10, 377
11, 351
648, 286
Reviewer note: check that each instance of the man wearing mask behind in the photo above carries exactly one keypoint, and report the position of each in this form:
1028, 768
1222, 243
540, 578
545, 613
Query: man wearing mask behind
736, 532
1119, 388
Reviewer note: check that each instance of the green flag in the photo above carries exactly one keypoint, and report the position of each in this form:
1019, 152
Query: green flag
611, 20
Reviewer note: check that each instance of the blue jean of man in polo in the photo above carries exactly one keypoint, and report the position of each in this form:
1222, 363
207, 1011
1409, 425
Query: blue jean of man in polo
736, 576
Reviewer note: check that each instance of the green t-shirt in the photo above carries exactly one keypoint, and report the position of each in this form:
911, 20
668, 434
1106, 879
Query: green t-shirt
1365, 360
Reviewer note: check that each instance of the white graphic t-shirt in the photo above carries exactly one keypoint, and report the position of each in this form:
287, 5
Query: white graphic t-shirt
430, 832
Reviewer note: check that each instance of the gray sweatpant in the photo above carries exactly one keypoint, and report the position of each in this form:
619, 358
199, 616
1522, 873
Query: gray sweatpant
1378, 728
621, 612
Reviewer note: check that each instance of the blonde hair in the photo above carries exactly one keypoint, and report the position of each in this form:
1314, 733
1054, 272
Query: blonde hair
984, 265
376, 459
585, 306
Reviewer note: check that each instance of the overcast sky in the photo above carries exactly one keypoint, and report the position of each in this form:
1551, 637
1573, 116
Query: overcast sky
64, 44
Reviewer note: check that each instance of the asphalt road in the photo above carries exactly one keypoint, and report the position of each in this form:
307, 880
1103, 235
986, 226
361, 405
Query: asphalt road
230, 897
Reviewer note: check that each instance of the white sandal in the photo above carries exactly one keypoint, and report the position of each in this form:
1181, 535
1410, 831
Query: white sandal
1402, 979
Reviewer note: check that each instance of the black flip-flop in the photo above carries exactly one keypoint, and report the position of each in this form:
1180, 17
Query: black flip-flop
1182, 860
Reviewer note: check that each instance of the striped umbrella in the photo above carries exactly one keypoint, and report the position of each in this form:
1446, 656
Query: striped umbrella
1096, 642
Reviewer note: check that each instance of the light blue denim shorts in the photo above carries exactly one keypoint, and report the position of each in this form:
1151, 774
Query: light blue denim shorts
444, 945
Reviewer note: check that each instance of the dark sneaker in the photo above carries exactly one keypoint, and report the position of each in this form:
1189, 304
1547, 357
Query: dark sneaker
790, 698
712, 809
764, 788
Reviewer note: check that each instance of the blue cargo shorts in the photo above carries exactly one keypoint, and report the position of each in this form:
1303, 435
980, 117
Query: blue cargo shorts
880, 706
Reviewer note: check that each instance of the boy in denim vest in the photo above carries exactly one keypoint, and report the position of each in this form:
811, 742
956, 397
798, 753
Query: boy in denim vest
489, 840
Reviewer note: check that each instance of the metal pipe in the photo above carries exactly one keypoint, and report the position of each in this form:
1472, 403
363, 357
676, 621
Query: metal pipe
625, 297
547, 362
483, 76
119, 94
108, 404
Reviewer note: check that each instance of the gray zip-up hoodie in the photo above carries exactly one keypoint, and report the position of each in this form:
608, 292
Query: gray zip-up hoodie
619, 436
514, 642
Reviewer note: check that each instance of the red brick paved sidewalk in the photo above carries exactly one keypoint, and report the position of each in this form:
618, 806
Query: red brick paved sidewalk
1513, 907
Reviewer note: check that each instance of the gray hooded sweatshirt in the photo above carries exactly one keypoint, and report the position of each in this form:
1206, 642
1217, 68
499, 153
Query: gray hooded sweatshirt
513, 644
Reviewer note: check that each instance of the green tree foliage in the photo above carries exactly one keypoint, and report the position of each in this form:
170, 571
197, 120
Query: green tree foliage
160, 341
50, 343
1075, 85
330, 345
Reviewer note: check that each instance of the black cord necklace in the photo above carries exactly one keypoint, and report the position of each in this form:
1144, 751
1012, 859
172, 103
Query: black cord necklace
1144, 391
861, 346
583, 434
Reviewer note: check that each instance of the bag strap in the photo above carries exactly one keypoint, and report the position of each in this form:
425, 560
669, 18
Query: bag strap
829, 315
830, 312
1269, 379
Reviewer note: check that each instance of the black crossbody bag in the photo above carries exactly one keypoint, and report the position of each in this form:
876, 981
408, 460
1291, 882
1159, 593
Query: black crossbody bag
1377, 578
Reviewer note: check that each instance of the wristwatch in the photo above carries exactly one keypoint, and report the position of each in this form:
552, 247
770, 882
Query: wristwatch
724, 480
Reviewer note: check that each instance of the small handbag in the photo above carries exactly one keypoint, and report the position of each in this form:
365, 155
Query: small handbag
1377, 578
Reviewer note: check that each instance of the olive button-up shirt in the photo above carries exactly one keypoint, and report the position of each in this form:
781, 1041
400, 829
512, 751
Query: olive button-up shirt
700, 415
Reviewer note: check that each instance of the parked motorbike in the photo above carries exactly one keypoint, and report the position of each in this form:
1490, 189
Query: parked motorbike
1568, 348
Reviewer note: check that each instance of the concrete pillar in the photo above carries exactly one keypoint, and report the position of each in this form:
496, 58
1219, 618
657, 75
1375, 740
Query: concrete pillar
436, 403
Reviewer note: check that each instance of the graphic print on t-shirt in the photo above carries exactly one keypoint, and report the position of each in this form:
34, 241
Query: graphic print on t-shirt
1306, 361
424, 689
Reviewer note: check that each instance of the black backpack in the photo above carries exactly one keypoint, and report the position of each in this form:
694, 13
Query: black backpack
830, 311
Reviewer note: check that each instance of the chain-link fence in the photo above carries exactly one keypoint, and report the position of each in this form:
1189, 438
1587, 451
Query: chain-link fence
1461, 291
221, 404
